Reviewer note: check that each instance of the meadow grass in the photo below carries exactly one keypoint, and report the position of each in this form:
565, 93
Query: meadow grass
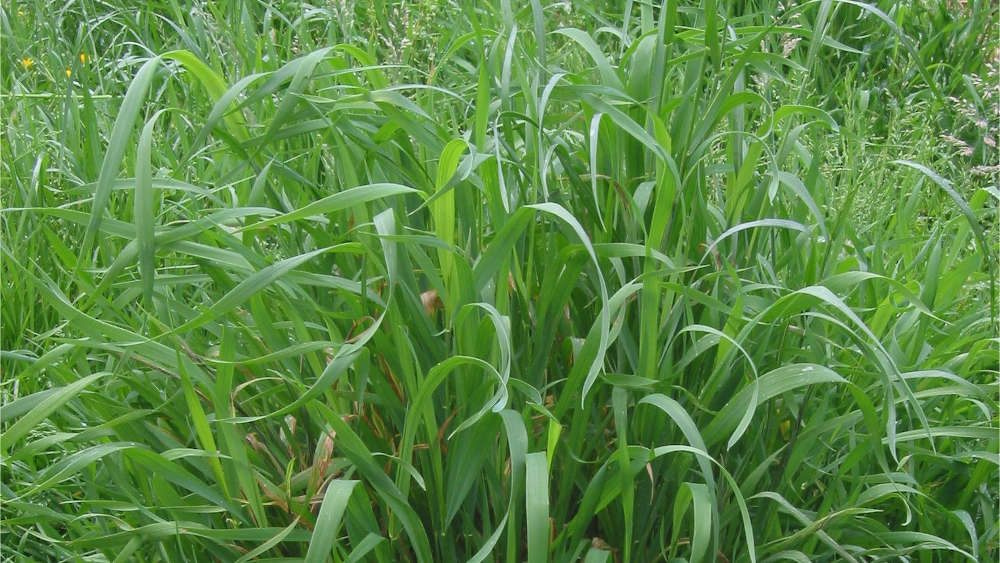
543, 281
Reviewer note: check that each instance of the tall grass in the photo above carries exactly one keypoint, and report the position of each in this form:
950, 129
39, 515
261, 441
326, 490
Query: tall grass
696, 281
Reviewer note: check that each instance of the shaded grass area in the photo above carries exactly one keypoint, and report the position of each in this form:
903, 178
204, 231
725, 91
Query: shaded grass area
697, 281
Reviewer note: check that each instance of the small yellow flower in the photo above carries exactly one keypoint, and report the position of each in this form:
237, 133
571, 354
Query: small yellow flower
83, 58
27, 62
69, 73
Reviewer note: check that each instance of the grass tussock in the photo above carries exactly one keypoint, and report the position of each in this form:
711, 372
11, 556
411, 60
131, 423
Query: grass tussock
546, 281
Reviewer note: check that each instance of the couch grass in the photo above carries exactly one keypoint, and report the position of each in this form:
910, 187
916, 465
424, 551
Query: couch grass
599, 281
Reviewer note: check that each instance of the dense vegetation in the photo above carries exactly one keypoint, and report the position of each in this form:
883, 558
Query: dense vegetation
510, 280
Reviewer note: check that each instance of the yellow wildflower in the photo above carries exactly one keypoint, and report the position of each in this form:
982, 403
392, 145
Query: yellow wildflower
69, 73
83, 58
27, 62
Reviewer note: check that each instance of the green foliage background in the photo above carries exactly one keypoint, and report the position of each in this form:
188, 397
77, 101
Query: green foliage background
437, 281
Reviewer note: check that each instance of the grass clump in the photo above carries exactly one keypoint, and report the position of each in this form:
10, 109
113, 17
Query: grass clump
694, 281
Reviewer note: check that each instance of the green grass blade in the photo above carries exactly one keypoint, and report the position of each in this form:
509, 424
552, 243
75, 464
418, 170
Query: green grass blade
118, 143
536, 497
324, 537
